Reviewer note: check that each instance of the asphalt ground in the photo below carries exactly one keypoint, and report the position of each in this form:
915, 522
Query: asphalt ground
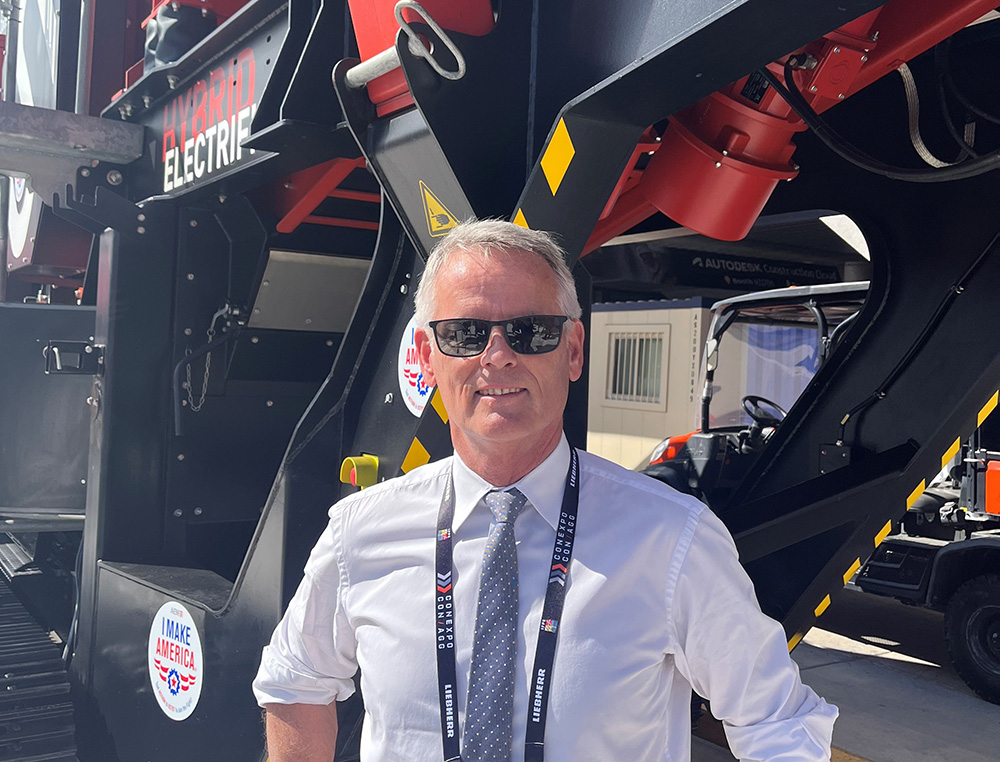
886, 666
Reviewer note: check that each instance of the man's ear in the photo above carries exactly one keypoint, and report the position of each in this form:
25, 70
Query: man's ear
574, 343
424, 344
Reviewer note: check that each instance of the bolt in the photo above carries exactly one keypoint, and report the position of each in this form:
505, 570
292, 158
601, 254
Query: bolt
115, 177
84, 172
269, 403
309, 321
125, 110
718, 164
329, 342
222, 198
813, 89
187, 331
256, 310
140, 230
190, 276
193, 223
841, 96
875, 37
725, 153
197, 511
83, 481
172, 81
180, 456
204, 13
178, 513
864, 59
88, 350
836, 50
403, 289
141, 217
254, 340
266, 283
147, 100
388, 398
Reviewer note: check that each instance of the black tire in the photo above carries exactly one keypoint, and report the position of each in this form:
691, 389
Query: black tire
972, 626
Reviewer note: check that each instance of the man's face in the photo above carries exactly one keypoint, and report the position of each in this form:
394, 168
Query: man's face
500, 397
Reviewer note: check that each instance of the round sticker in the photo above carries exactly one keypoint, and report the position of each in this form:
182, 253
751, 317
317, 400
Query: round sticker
411, 379
175, 661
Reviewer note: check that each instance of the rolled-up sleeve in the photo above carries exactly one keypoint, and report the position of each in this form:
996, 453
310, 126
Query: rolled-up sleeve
738, 658
312, 654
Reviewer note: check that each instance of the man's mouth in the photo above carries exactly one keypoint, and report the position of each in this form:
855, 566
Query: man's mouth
499, 391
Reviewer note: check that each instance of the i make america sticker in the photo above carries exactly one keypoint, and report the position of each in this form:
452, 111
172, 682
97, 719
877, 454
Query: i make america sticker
176, 668
412, 386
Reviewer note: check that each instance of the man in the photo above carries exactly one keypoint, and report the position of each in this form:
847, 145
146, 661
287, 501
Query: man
446, 591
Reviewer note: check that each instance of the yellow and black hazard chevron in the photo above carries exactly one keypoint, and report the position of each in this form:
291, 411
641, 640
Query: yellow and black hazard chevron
910, 499
571, 182
432, 440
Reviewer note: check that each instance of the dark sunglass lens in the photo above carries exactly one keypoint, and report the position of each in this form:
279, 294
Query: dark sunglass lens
462, 338
535, 334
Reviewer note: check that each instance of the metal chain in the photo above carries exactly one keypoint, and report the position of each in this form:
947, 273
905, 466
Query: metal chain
193, 406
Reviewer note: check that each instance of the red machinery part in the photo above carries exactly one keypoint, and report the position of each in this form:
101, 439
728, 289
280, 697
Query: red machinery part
375, 28
720, 159
993, 487
718, 162
222, 9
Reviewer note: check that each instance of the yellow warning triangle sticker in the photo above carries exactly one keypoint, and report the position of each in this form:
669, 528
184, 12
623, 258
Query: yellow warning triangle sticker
439, 219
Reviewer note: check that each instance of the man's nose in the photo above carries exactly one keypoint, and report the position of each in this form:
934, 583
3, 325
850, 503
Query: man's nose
498, 351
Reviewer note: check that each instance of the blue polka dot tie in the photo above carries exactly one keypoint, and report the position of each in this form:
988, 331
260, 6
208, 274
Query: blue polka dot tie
494, 647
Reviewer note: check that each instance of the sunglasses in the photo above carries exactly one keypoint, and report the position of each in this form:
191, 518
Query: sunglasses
527, 335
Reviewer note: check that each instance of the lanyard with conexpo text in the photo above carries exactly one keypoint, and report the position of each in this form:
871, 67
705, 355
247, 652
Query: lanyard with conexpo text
545, 650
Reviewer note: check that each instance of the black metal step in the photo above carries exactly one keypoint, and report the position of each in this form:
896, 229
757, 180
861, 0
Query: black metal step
14, 561
36, 714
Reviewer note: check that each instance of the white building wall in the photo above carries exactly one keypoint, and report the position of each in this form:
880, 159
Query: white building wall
626, 431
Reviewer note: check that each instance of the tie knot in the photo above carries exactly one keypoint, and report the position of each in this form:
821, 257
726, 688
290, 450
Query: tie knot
505, 504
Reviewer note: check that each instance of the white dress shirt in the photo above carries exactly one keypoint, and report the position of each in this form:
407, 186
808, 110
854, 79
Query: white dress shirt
656, 603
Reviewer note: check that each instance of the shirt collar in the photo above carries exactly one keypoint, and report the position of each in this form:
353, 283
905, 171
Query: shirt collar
543, 486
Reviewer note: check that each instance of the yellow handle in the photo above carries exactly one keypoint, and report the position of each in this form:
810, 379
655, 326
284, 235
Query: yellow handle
360, 471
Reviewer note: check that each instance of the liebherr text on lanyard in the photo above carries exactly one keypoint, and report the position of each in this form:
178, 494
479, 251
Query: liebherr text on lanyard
548, 629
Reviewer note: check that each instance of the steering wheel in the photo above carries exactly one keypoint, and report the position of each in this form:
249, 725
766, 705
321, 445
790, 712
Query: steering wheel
754, 407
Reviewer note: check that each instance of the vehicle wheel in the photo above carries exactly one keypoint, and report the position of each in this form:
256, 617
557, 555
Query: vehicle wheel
972, 625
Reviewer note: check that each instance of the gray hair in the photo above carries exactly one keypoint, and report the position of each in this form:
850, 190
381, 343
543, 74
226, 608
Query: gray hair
484, 237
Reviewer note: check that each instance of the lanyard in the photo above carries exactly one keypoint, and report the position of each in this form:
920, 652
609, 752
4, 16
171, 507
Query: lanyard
545, 650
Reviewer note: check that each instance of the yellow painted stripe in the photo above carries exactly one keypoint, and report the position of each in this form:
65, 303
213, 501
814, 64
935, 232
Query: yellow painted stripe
519, 219
557, 157
416, 456
883, 533
795, 640
850, 572
438, 405
951, 452
823, 606
917, 492
988, 408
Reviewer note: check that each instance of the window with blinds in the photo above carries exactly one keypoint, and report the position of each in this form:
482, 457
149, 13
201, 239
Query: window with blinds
635, 366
